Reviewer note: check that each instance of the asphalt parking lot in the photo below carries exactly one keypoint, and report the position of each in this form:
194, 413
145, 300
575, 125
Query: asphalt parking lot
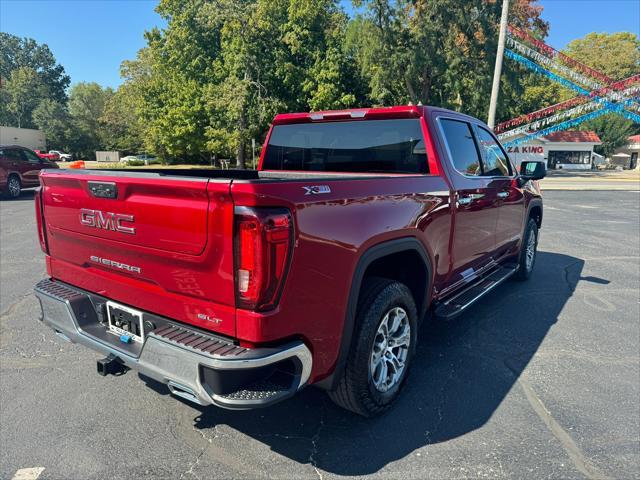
539, 380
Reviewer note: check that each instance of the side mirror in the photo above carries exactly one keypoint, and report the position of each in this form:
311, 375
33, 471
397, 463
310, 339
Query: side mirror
532, 170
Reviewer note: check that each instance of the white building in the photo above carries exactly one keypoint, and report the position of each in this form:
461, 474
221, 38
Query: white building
108, 156
560, 150
25, 137
627, 155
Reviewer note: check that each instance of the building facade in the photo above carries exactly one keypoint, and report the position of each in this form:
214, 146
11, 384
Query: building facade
25, 137
560, 150
627, 156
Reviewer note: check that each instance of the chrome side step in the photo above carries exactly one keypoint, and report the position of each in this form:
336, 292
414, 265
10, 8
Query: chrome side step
454, 306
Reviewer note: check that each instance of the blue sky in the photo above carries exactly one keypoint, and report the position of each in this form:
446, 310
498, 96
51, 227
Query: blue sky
91, 37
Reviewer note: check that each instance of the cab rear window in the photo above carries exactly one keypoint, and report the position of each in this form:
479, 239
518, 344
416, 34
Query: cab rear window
372, 146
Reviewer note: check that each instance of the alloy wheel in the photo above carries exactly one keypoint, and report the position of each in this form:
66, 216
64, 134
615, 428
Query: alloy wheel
390, 349
14, 187
530, 253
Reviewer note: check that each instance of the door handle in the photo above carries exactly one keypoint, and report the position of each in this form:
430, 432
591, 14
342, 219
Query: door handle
503, 194
468, 199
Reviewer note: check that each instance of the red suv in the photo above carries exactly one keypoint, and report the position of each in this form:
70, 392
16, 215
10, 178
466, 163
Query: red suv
19, 168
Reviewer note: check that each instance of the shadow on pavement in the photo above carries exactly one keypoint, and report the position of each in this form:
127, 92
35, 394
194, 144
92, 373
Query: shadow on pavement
462, 371
25, 195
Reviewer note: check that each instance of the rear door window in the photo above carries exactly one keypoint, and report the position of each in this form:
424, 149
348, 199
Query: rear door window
14, 155
495, 161
462, 147
384, 146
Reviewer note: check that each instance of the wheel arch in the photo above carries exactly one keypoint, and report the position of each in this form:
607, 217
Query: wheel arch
377, 261
535, 211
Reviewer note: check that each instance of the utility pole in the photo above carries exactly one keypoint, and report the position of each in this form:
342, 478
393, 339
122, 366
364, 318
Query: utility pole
495, 88
253, 152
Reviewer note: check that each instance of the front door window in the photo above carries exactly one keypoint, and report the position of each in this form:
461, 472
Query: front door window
30, 156
495, 161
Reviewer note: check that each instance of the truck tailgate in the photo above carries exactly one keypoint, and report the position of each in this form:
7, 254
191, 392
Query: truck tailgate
155, 242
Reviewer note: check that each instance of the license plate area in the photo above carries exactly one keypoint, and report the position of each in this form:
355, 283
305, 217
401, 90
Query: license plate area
125, 322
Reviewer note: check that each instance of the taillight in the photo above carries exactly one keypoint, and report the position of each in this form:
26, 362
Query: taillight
262, 247
42, 234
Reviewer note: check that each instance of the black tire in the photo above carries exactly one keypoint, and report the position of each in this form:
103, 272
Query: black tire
356, 390
14, 187
525, 267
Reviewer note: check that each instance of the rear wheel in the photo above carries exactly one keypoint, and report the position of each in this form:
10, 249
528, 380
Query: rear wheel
528, 251
13, 186
382, 348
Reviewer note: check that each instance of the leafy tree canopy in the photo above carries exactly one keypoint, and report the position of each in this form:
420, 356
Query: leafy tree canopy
613, 130
21, 93
47, 78
211, 81
432, 51
615, 54
87, 102
53, 119
16, 52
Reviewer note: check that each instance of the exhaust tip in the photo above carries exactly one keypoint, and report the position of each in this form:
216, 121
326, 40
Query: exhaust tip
183, 392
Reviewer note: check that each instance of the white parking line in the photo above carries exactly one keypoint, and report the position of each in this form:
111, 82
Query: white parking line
28, 473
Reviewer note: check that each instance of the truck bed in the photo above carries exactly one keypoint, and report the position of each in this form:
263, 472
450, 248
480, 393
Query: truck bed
238, 174
164, 241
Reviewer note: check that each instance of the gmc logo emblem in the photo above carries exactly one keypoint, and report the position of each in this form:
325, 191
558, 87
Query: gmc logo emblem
106, 220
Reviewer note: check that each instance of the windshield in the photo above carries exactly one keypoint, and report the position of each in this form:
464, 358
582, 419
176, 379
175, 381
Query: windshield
393, 146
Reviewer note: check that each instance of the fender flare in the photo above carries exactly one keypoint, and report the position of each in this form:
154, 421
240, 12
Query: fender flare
535, 202
364, 261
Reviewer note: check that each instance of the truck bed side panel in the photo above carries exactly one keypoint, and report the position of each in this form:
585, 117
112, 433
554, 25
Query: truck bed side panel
332, 232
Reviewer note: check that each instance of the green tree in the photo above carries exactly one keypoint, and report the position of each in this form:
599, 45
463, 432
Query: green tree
167, 80
87, 102
16, 52
615, 54
274, 55
613, 130
22, 93
618, 56
167, 103
53, 119
526, 92
215, 76
120, 127
432, 51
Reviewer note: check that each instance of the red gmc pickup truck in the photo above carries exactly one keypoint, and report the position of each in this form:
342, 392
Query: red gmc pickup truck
239, 288
52, 157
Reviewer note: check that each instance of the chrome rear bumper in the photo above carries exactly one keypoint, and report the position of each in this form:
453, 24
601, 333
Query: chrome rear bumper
195, 365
